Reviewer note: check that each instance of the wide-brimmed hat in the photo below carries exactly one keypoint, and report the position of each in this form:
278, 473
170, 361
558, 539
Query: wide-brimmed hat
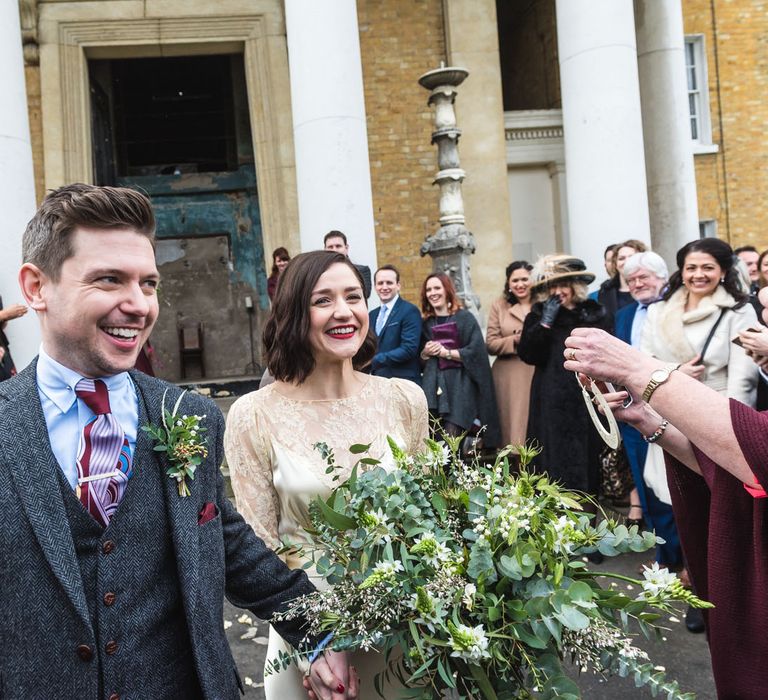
559, 268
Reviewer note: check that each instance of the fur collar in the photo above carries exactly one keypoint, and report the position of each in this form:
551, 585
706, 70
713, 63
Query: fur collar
672, 319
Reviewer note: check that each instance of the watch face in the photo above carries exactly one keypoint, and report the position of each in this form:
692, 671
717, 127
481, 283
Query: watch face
659, 375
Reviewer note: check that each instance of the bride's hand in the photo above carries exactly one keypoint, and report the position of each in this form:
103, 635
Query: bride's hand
331, 678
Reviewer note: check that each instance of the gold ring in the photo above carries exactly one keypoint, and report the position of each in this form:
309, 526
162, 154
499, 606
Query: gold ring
572, 356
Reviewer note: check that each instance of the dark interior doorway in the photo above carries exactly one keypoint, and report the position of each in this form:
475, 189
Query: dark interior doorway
179, 129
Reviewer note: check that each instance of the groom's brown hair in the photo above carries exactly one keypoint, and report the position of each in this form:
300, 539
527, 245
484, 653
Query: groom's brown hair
47, 241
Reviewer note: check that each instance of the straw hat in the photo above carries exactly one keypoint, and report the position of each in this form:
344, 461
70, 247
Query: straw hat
559, 268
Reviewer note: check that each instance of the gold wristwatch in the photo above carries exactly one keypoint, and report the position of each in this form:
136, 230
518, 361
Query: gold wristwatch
658, 377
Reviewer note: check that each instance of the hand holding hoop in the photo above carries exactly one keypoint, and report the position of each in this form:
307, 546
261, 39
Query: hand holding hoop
611, 435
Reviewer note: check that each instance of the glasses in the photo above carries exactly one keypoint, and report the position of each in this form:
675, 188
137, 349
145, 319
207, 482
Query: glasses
639, 279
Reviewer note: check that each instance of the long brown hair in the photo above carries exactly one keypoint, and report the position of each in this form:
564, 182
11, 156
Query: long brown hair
451, 297
287, 347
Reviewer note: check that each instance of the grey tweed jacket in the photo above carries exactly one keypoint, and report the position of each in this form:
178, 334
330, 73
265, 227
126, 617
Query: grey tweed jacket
44, 615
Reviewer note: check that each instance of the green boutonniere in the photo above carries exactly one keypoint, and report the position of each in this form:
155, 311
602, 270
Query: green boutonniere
180, 437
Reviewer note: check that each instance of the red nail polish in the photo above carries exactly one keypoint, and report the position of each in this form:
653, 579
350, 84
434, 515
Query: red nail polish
340, 688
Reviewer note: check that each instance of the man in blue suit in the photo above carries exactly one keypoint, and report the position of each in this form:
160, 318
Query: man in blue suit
397, 324
646, 274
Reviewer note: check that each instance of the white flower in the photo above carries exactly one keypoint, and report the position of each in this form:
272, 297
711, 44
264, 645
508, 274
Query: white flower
657, 580
389, 568
433, 552
469, 642
468, 599
438, 456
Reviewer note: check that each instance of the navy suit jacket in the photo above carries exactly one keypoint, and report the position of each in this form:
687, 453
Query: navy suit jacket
397, 354
622, 328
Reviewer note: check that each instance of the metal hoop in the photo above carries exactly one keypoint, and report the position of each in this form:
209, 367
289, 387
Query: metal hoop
610, 436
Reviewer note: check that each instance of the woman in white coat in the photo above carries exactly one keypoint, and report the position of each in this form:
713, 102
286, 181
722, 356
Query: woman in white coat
703, 309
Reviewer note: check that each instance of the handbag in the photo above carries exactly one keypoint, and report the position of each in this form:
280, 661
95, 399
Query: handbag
655, 473
447, 334
615, 476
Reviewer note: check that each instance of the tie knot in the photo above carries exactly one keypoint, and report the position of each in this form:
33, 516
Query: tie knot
94, 394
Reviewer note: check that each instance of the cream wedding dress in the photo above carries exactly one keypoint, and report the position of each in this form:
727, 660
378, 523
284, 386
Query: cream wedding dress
276, 472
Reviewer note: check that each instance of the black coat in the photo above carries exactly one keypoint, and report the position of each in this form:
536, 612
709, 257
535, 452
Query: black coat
558, 418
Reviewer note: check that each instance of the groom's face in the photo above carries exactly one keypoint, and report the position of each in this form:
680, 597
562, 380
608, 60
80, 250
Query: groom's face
102, 309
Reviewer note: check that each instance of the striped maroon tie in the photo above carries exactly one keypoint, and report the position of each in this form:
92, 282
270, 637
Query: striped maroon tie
103, 456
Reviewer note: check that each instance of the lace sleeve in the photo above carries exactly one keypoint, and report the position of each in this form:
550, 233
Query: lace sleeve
249, 458
413, 413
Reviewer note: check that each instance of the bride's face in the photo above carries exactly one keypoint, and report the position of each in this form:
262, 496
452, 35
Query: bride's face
338, 315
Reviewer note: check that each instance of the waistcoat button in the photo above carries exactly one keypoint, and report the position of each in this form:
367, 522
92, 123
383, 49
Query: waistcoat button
107, 546
109, 598
110, 647
114, 696
85, 652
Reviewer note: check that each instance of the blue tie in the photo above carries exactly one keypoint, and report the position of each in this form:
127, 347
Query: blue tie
381, 319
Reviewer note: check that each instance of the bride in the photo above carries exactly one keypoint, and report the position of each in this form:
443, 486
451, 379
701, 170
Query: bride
315, 341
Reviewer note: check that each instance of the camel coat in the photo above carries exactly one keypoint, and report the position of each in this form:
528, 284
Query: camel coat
511, 376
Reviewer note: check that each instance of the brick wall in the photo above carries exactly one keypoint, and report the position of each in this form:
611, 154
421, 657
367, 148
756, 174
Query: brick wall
733, 184
399, 41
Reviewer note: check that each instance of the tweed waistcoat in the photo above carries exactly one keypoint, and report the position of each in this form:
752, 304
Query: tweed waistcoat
129, 567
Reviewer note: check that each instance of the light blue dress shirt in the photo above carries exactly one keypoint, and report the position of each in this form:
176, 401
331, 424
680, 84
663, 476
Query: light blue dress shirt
636, 334
66, 416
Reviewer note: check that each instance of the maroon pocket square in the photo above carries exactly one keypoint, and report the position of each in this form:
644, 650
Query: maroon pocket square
208, 513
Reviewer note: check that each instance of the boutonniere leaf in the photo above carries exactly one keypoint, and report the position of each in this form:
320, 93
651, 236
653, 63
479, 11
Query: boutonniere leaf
181, 437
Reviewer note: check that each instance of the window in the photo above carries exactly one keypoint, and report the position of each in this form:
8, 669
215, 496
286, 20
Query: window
708, 228
698, 94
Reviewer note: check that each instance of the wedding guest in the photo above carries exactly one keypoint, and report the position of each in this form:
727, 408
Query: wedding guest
457, 375
557, 419
316, 340
280, 259
397, 324
703, 308
762, 269
7, 368
749, 256
614, 293
717, 467
511, 376
646, 275
337, 241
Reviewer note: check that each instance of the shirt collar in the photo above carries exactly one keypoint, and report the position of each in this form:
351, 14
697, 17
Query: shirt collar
391, 302
58, 382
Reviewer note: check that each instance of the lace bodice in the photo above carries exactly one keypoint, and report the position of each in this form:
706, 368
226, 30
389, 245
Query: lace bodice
274, 467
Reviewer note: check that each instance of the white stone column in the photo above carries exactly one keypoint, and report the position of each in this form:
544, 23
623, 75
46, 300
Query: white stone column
329, 126
604, 157
674, 213
17, 182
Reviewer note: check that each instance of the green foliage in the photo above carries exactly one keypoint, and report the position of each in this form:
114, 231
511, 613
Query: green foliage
475, 575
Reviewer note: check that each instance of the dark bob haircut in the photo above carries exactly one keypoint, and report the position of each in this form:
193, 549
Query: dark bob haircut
287, 347
723, 254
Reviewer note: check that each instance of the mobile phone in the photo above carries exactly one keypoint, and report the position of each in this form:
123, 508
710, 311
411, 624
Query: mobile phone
737, 339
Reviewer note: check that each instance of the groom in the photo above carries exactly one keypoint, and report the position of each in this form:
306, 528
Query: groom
111, 582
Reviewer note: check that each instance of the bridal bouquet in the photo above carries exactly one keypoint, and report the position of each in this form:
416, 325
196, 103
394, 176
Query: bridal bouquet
469, 579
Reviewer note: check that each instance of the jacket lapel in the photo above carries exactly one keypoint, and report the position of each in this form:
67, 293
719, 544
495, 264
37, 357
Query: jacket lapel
34, 474
182, 512
392, 315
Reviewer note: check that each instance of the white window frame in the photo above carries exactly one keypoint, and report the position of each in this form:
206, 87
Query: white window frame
696, 64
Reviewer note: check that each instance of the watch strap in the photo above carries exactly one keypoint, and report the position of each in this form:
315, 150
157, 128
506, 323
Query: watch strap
654, 384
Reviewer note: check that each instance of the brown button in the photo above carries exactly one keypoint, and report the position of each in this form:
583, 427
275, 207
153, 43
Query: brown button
107, 546
109, 598
114, 696
110, 647
85, 652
